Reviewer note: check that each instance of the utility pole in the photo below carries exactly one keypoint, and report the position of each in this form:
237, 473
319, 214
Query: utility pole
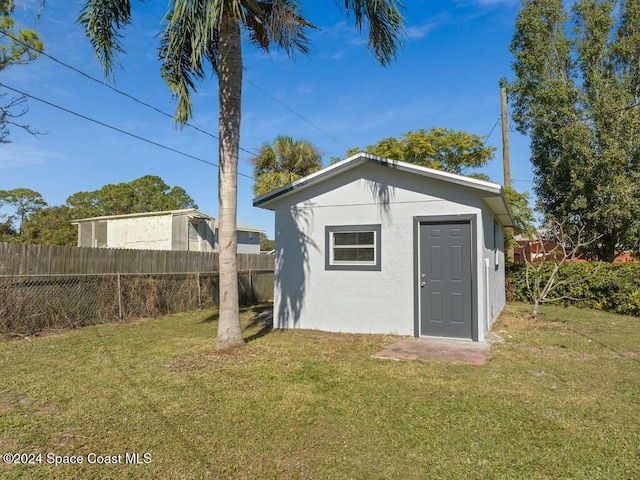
505, 133
505, 150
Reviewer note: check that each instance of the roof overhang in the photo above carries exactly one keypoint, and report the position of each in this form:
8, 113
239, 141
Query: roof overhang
189, 212
491, 193
243, 227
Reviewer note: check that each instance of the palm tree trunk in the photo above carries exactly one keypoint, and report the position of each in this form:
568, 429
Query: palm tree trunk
229, 92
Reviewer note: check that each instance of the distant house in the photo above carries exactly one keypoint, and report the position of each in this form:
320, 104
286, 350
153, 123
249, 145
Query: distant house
188, 229
248, 239
625, 257
532, 251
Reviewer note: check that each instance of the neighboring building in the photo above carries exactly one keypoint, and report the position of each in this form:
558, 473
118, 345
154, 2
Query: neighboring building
248, 238
533, 251
625, 257
187, 229
371, 245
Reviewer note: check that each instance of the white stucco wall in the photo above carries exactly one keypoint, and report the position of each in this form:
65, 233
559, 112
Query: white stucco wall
493, 268
308, 296
144, 233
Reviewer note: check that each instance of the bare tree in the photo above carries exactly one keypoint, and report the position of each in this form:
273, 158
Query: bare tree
10, 111
553, 245
17, 47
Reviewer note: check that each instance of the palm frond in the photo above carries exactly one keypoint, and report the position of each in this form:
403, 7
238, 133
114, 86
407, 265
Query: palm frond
206, 14
385, 25
276, 21
102, 21
285, 26
188, 39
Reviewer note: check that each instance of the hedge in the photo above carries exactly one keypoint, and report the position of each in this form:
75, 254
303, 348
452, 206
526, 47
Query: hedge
613, 287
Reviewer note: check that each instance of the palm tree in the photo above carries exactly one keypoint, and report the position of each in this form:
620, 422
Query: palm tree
201, 32
282, 162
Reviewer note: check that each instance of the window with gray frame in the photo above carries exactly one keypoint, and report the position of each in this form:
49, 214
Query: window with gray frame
353, 247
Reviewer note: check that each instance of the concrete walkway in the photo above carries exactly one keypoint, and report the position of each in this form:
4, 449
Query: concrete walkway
439, 349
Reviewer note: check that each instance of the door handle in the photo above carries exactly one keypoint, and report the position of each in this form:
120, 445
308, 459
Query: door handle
422, 284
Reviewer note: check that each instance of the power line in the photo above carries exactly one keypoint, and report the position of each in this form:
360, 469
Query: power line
119, 130
86, 75
492, 129
124, 94
141, 102
297, 114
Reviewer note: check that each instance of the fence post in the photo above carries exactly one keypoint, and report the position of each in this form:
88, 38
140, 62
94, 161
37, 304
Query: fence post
253, 294
119, 298
199, 291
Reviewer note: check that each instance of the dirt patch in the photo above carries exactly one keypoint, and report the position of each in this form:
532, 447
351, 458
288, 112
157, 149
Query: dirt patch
10, 401
443, 350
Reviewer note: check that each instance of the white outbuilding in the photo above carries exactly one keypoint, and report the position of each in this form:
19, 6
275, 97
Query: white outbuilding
372, 245
186, 229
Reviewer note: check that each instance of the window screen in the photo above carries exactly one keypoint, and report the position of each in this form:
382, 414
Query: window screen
85, 235
101, 234
194, 236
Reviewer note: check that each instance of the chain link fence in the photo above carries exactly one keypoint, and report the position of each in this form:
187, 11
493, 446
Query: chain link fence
30, 304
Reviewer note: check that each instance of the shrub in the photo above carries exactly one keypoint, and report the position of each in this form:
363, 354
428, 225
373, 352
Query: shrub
613, 287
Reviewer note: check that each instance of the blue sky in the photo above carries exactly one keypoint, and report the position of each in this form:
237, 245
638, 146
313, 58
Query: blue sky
337, 97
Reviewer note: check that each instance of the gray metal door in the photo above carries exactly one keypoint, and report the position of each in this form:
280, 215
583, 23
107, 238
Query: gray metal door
445, 280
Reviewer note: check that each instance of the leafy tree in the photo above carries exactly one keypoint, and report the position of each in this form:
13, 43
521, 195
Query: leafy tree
282, 162
576, 95
150, 193
17, 47
24, 201
50, 226
7, 231
266, 245
455, 152
6, 220
203, 33
522, 214
145, 194
441, 148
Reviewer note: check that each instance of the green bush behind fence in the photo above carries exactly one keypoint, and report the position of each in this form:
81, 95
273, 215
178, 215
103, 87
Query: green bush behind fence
614, 287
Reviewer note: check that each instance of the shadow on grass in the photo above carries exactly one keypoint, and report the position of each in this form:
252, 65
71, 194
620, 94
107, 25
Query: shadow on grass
263, 321
603, 345
261, 317
211, 318
254, 309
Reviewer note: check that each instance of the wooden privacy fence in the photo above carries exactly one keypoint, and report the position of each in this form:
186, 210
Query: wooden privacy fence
19, 259
44, 287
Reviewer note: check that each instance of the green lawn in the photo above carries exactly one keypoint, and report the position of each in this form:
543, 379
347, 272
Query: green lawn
559, 399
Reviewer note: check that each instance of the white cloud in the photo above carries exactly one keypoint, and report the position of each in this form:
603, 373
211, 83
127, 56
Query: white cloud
416, 32
305, 88
359, 39
336, 55
16, 155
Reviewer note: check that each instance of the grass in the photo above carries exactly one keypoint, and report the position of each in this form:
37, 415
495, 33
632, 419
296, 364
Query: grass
559, 399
